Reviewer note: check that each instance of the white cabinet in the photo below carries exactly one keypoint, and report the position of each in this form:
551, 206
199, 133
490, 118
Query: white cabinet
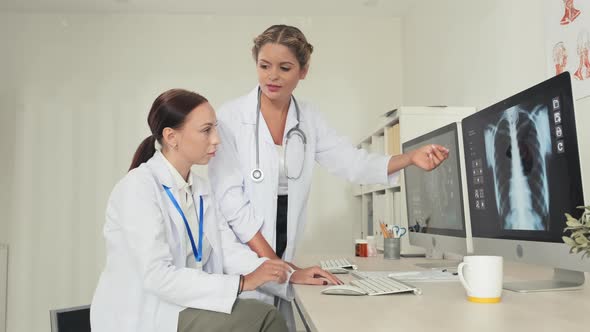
387, 203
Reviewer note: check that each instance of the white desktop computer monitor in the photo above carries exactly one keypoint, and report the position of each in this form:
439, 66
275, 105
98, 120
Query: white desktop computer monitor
437, 217
524, 174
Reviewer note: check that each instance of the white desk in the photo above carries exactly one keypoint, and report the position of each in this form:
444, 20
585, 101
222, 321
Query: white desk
443, 305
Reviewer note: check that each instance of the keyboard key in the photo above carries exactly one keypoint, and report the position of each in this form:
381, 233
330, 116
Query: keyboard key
336, 263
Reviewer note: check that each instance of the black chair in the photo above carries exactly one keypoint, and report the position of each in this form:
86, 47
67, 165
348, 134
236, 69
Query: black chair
75, 319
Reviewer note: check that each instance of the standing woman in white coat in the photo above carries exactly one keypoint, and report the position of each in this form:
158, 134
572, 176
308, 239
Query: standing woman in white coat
271, 142
173, 264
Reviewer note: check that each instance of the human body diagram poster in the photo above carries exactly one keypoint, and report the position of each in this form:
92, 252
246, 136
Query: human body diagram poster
567, 25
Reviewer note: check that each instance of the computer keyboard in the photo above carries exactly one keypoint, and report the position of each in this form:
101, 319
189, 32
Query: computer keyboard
338, 263
384, 285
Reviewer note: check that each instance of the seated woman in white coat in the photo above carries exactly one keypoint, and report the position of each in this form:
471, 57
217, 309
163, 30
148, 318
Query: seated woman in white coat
173, 264
271, 144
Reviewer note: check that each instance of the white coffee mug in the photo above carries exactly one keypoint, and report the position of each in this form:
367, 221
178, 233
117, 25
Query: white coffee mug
482, 278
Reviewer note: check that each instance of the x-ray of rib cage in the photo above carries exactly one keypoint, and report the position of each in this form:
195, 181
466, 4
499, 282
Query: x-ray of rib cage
517, 148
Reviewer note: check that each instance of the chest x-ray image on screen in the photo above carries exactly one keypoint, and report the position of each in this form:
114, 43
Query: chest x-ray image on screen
517, 149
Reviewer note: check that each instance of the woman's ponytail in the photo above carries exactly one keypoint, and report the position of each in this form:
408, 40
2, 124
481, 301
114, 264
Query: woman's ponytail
144, 152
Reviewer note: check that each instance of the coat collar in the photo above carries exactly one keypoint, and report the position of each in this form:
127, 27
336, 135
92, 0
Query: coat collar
251, 104
159, 167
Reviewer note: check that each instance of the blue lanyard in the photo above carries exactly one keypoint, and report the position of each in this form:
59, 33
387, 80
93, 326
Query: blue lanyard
198, 253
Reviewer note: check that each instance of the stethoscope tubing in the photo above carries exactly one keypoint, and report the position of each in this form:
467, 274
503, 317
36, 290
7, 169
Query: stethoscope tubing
257, 174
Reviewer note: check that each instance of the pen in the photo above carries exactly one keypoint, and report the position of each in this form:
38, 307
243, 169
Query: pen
384, 230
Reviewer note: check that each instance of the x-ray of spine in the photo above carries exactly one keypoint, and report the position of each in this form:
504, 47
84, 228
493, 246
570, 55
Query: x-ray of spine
517, 148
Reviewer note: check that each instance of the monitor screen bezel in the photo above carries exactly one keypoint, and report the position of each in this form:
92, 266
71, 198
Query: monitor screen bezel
451, 233
559, 85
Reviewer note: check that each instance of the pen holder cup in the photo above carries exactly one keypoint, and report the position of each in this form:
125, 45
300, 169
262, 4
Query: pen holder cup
391, 248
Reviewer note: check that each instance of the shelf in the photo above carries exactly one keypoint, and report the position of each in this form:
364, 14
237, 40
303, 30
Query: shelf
379, 131
380, 187
359, 190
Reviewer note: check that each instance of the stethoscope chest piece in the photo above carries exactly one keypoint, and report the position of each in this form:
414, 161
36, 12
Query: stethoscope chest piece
257, 175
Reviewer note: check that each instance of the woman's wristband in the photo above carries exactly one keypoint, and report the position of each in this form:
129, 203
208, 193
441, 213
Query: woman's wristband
241, 285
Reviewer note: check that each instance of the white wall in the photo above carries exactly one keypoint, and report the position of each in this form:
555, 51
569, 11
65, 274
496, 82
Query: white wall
357, 90
75, 92
7, 141
476, 53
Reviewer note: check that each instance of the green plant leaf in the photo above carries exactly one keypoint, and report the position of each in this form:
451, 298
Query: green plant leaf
573, 223
578, 232
576, 228
579, 237
568, 241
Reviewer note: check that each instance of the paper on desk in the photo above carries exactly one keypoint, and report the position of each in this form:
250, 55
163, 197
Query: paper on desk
412, 276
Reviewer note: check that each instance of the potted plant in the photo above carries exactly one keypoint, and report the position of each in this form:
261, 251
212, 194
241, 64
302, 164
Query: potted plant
579, 238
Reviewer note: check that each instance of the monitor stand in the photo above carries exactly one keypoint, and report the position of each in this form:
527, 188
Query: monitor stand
437, 260
563, 280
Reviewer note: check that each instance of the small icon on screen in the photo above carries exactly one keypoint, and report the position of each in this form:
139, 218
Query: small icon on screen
476, 163
557, 117
558, 132
560, 146
556, 103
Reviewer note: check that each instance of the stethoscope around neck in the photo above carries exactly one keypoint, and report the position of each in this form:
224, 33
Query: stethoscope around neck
257, 174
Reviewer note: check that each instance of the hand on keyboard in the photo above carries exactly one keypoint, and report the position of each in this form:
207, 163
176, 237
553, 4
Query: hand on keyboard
314, 276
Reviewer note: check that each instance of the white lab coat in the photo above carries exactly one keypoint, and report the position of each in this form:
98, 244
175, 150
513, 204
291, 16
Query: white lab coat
249, 206
146, 283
